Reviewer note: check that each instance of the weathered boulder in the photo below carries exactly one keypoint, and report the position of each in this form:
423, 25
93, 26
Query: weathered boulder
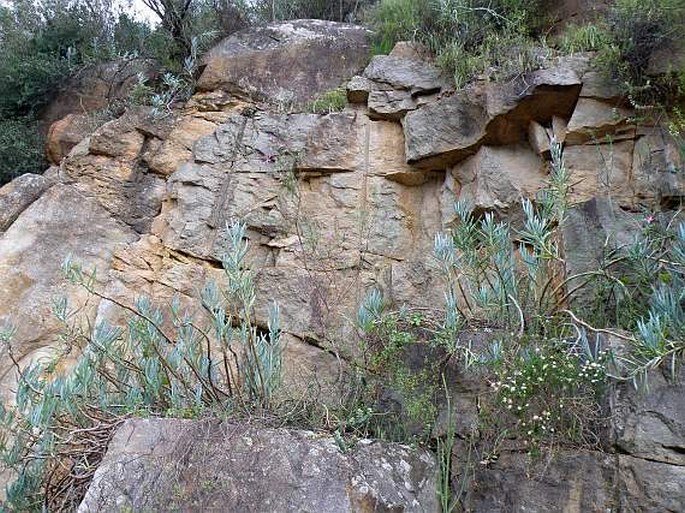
406, 69
18, 195
167, 153
286, 62
657, 170
601, 170
96, 87
539, 139
158, 464
596, 121
598, 86
392, 105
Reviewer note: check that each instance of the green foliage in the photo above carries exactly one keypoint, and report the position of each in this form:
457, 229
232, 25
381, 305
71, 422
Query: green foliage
549, 386
334, 10
501, 275
178, 363
590, 37
635, 30
44, 43
545, 375
388, 341
644, 285
21, 148
328, 102
469, 37
445, 448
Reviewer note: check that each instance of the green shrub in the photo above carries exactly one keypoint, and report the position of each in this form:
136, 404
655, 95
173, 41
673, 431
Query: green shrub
590, 37
177, 363
636, 29
334, 10
387, 340
644, 287
330, 101
510, 278
547, 389
544, 372
21, 148
468, 37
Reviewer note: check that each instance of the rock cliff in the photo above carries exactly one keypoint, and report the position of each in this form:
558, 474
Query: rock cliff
336, 204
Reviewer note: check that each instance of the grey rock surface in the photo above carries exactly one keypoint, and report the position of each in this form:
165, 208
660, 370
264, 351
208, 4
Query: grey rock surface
286, 62
165, 465
17, 196
650, 424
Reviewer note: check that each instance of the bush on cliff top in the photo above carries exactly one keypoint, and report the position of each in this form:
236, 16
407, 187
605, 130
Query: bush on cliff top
468, 37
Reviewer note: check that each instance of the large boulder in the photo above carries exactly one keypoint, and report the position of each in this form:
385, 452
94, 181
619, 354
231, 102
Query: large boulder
163, 465
98, 86
17, 196
288, 62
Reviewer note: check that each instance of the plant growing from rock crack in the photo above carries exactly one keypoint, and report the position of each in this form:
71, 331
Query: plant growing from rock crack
328, 102
160, 364
402, 393
500, 274
649, 285
544, 375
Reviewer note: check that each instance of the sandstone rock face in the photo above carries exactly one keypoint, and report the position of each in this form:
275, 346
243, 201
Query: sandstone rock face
61, 223
572, 481
336, 205
449, 130
639, 469
156, 465
395, 84
499, 176
286, 62
593, 229
651, 426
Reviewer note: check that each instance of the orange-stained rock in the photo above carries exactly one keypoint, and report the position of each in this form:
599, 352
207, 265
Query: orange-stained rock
66, 133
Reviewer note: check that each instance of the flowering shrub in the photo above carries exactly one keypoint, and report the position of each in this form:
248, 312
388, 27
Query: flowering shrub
550, 389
